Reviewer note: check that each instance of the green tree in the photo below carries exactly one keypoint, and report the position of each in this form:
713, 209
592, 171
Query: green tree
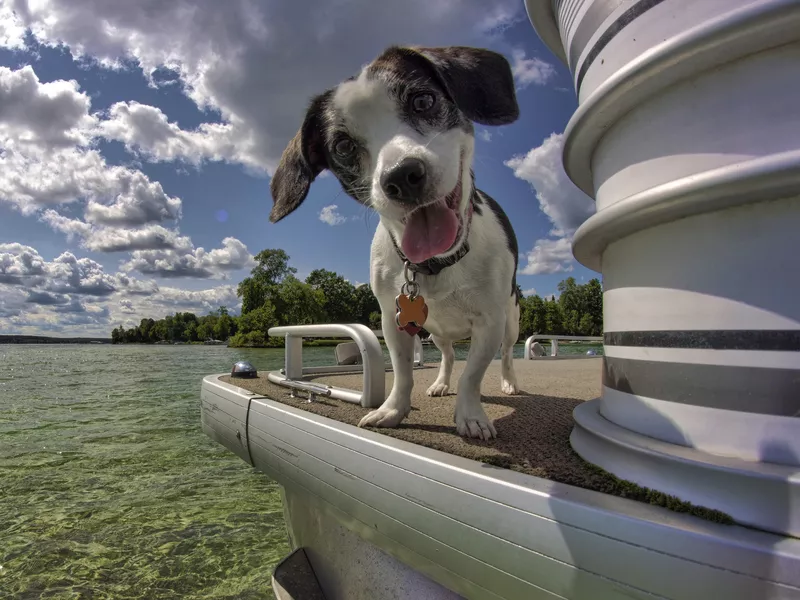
587, 326
572, 321
298, 303
190, 332
205, 329
553, 321
594, 305
364, 304
260, 319
375, 321
339, 302
272, 267
532, 316
223, 327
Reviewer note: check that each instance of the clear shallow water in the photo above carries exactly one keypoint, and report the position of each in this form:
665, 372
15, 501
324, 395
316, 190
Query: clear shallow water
109, 488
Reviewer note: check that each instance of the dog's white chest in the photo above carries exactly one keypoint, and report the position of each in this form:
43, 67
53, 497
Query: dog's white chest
451, 317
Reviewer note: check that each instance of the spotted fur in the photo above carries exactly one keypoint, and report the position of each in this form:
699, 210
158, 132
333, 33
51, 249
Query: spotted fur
421, 103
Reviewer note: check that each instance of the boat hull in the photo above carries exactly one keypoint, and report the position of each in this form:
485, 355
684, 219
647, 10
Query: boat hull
426, 524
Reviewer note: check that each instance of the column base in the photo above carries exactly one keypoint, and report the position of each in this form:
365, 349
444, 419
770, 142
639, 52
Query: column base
761, 495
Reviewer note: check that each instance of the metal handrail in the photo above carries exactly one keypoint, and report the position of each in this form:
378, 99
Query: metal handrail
553, 339
373, 364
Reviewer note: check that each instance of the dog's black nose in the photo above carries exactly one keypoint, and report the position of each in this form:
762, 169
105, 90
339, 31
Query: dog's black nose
405, 181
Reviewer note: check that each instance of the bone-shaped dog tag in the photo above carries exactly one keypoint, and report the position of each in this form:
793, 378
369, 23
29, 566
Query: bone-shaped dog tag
411, 313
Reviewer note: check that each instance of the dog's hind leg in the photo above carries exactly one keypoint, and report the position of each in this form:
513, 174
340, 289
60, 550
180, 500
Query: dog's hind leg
401, 351
509, 377
441, 386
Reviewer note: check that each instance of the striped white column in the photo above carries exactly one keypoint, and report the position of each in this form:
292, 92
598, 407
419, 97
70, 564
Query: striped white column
688, 136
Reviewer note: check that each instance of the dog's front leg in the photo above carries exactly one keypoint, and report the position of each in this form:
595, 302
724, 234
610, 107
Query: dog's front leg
471, 420
401, 350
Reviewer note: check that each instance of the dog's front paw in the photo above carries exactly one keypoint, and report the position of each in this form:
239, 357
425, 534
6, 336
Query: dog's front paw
473, 423
383, 417
509, 387
438, 389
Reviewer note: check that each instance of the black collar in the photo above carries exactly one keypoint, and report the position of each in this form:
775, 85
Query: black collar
433, 266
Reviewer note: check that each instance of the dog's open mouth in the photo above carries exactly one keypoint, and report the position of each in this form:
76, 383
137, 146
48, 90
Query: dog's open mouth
433, 229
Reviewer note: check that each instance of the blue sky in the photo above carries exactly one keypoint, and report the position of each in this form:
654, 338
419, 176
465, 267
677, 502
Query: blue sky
136, 147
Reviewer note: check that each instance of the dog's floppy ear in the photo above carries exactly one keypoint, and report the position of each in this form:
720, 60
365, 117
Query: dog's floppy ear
301, 162
479, 81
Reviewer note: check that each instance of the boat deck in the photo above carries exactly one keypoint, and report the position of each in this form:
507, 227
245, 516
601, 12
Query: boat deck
533, 427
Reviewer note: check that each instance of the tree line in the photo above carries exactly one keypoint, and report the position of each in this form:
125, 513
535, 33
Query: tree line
272, 295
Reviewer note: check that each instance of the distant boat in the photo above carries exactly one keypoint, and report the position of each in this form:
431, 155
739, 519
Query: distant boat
213, 342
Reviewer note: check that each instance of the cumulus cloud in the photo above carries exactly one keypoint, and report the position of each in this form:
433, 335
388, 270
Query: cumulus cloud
330, 215
46, 298
113, 239
46, 159
12, 30
565, 205
67, 274
196, 263
549, 256
20, 264
38, 296
529, 71
245, 59
54, 113
146, 131
139, 202
75, 296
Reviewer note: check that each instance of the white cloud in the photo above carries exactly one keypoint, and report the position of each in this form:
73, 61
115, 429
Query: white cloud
114, 239
485, 135
20, 264
12, 30
529, 292
54, 113
46, 159
565, 205
330, 215
560, 199
195, 263
145, 130
530, 70
139, 202
246, 59
75, 296
68, 274
549, 256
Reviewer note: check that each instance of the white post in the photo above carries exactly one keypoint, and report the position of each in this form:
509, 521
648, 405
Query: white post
687, 135
293, 359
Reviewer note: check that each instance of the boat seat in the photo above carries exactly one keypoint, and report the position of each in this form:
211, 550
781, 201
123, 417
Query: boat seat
348, 353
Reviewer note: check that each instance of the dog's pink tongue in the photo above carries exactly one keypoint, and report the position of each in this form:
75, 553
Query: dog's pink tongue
429, 231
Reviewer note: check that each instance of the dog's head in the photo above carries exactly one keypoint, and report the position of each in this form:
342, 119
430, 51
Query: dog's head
399, 138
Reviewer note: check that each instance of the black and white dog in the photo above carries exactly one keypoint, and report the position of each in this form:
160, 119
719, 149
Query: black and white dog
399, 137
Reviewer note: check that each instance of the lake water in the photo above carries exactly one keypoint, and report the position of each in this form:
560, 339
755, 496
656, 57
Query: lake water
109, 488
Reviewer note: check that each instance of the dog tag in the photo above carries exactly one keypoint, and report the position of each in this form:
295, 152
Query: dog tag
412, 312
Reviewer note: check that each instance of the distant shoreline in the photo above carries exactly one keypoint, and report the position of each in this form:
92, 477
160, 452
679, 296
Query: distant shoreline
44, 339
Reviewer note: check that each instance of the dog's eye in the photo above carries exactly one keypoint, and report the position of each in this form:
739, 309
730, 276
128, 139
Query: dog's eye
423, 102
344, 147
